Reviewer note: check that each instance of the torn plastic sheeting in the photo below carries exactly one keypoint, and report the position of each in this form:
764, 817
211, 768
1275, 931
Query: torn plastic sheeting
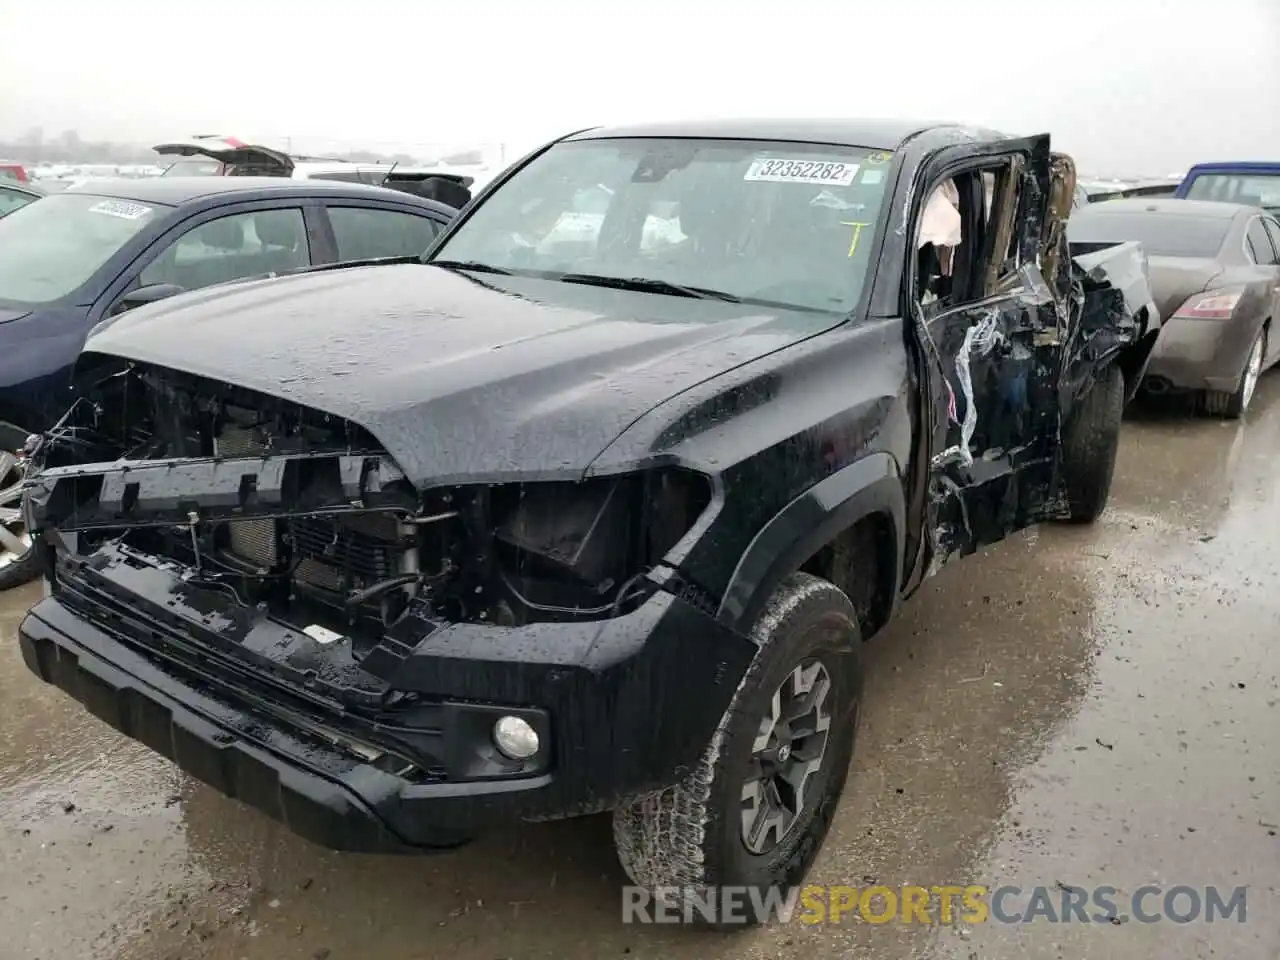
981, 338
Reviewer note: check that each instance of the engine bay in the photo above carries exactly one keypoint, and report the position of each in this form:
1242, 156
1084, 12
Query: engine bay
305, 515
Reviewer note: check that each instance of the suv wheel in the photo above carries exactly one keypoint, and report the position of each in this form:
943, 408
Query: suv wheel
1090, 441
755, 809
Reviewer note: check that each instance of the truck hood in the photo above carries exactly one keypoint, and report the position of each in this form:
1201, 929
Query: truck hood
460, 379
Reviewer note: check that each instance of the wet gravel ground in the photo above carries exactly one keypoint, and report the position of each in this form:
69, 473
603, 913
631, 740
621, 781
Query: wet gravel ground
1075, 706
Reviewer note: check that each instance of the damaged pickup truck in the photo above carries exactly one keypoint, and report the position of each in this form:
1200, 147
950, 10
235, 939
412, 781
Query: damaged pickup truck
558, 522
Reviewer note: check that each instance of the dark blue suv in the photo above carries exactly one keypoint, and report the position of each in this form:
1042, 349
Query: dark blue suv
1252, 184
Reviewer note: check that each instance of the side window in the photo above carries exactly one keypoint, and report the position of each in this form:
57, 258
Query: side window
1273, 231
232, 248
967, 246
11, 200
1260, 244
371, 234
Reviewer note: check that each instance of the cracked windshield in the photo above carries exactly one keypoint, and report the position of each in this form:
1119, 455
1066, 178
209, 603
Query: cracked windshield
780, 223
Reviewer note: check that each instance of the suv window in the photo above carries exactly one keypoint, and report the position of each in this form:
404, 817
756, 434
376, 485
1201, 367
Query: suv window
11, 200
232, 248
1253, 190
1260, 244
370, 234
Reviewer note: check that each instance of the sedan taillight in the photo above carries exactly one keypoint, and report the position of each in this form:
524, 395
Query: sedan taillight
1212, 305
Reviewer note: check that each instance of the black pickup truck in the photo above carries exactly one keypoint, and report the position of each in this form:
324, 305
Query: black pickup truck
592, 507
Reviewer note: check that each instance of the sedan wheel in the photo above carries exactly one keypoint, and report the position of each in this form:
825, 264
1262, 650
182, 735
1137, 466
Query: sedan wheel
1252, 371
18, 560
1233, 405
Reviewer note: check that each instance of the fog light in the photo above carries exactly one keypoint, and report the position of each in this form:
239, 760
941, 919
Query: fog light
515, 738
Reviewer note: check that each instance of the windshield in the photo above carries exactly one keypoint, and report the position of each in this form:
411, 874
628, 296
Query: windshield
1161, 235
53, 247
783, 223
1251, 189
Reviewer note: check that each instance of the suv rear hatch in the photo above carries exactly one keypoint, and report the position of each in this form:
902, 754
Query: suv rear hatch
238, 158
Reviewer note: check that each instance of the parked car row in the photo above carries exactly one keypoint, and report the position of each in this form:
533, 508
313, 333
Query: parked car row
591, 506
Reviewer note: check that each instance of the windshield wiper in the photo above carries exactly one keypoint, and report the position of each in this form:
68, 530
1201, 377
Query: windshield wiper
647, 285
475, 266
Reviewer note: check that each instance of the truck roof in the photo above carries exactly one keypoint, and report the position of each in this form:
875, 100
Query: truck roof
872, 133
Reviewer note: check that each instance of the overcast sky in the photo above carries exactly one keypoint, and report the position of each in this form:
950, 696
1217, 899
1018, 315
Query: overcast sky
1127, 86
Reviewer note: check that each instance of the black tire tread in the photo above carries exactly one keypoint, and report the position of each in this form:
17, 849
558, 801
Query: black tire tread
1090, 443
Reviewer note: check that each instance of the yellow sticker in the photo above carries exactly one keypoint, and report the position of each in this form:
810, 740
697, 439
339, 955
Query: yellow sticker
857, 232
880, 158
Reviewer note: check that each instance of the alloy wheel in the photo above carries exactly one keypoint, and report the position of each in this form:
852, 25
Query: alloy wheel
15, 541
1252, 371
786, 757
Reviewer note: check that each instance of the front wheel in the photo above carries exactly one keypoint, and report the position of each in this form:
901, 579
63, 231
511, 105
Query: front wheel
1090, 442
19, 560
754, 812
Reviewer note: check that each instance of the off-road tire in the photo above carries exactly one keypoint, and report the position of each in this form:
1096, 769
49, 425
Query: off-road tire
1231, 406
689, 836
1090, 441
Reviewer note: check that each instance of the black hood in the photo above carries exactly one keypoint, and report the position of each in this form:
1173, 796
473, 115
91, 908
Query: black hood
458, 379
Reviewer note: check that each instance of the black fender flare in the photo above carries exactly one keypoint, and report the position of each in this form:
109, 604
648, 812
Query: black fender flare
870, 485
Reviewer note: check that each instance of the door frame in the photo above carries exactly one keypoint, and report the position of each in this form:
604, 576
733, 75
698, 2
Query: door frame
1028, 159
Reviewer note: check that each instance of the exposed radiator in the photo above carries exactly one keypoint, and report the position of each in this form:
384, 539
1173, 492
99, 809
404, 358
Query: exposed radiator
332, 549
332, 553
252, 540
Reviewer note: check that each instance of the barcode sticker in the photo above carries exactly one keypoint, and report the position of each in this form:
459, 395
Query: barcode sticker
772, 170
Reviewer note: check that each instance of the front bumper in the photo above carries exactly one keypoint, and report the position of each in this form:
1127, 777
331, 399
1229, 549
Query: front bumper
628, 705
1199, 355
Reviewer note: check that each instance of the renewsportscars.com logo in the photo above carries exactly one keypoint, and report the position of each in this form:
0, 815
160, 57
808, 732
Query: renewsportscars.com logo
941, 905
